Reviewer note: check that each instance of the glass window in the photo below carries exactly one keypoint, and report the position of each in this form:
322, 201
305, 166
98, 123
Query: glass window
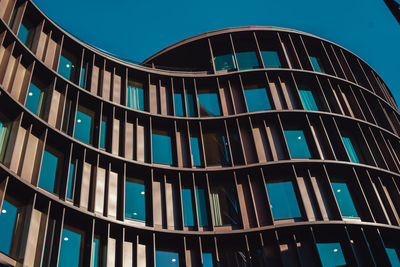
178, 102
317, 64
207, 259
187, 207
84, 125
167, 258
48, 171
247, 60
95, 252
350, 149
34, 100
195, 146
216, 149
257, 99
190, 104
70, 248
201, 207
8, 220
344, 199
297, 144
271, 59
71, 180
331, 254
224, 205
135, 95
308, 99
65, 67
283, 200
209, 103
393, 257
135, 200
224, 62
26, 33
82, 81
162, 148
103, 128
4, 134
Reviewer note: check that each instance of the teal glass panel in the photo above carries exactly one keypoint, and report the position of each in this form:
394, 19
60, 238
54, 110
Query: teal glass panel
317, 65
195, 146
167, 259
83, 127
190, 104
103, 134
23, 34
257, 99
48, 171
283, 200
8, 218
344, 199
271, 59
207, 259
331, 254
135, 200
70, 181
34, 99
65, 67
70, 249
95, 252
162, 150
202, 207
82, 81
209, 104
135, 97
308, 100
187, 207
224, 62
350, 149
178, 102
225, 149
297, 144
393, 257
247, 60
224, 205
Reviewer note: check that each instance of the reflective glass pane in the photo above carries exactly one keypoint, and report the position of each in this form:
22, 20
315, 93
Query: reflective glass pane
135, 200
70, 249
224, 62
308, 100
209, 104
95, 252
103, 134
317, 65
271, 59
187, 207
201, 206
167, 259
178, 102
224, 205
8, 218
190, 104
257, 99
4, 133
34, 99
48, 171
82, 81
23, 33
207, 259
70, 181
65, 67
283, 200
195, 146
297, 144
331, 254
393, 257
162, 150
344, 199
350, 149
247, 60
135, 97
83, 126
216, 149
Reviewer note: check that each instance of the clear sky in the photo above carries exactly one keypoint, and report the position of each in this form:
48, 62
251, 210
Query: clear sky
138, 29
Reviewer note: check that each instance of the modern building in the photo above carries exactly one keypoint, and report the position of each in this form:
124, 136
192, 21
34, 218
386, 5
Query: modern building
250, 146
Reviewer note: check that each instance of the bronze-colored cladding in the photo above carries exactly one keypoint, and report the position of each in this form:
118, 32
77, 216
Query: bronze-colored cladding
352, 98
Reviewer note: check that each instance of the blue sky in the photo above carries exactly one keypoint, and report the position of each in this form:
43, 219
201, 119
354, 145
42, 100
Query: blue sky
138, 29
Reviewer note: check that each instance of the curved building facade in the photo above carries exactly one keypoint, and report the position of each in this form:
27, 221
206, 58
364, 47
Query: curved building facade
251, 146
